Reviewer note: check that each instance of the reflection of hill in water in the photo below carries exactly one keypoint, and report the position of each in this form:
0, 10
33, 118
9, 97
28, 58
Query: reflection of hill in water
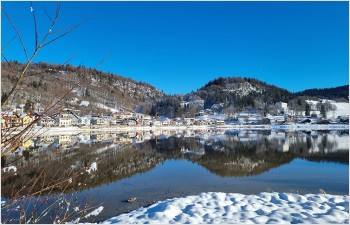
232, 154
226, 164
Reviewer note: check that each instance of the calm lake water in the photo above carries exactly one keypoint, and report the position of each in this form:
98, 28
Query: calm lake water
168, 164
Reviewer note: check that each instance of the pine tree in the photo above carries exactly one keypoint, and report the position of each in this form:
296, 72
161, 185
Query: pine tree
307, 109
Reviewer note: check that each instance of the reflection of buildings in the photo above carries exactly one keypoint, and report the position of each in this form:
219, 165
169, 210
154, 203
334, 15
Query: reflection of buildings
235, 153
309, 142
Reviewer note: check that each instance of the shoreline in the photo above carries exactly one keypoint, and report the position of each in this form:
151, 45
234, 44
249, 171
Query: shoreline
283, 127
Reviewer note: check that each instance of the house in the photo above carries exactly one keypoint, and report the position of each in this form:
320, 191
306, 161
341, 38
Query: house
139, 116
6, 121
127, 115
184, 104
113, 121
27, 143
16, 121
38, 108
164, 121
84, 121
64, 121
19, 110
147, 117
200, 122
178, 122
74, 118
220, 122
282, 105
26, 119
47, 121
188, 121
99, 121
131, 122
146, 122
156, 123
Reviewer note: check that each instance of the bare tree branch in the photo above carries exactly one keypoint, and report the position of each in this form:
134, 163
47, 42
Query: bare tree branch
103, 59
35, 25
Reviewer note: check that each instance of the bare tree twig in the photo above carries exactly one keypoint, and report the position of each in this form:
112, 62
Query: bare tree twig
35, 25
17, 32
48, 15
60, 36
103, 59
8, 43
68, 60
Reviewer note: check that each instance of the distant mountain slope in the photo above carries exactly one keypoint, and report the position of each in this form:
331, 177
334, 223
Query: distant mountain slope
93, 91
327, 93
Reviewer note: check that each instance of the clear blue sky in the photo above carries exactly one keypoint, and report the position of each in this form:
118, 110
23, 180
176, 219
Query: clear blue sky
179, 46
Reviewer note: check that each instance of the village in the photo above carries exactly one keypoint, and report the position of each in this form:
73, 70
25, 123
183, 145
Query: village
207, 117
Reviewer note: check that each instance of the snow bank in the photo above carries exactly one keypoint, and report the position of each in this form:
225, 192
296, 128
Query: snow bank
214, 207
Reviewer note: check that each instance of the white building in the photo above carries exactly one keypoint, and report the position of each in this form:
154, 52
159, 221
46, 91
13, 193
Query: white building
84, 121
65, 121
282, 106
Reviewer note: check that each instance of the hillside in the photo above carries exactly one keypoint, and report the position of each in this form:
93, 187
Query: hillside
230, 94
92, 91
234, 94
241, 92
335, 93
95, 92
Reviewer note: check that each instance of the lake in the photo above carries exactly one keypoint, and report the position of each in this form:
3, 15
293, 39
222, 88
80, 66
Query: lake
154, 166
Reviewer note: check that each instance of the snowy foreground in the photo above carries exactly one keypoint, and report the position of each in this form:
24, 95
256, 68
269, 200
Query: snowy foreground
214, 207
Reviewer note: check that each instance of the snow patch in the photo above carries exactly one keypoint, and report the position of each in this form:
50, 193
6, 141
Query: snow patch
84, 103
9, 169
103, 106
233, 208
93, 167
95, 212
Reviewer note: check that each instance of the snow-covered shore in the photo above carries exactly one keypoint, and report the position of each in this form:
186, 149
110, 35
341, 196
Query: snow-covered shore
233, 208
72, 130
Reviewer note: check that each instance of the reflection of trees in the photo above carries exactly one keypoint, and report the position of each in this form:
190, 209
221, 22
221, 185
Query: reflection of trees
112, 164
239, 159
228, 157
232, 154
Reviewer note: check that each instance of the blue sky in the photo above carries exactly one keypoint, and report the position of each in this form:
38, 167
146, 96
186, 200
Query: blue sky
179, 46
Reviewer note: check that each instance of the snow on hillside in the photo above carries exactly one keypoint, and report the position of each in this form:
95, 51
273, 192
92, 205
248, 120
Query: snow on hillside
233, 208
243, 89
342, 108
103, 106
84, 103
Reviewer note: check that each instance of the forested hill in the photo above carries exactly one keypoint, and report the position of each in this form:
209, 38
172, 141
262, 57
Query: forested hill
97, 92
93, 91
227, 95
341, 92
241, 92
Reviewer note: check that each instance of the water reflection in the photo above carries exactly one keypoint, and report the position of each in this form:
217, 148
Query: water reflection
121, 155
